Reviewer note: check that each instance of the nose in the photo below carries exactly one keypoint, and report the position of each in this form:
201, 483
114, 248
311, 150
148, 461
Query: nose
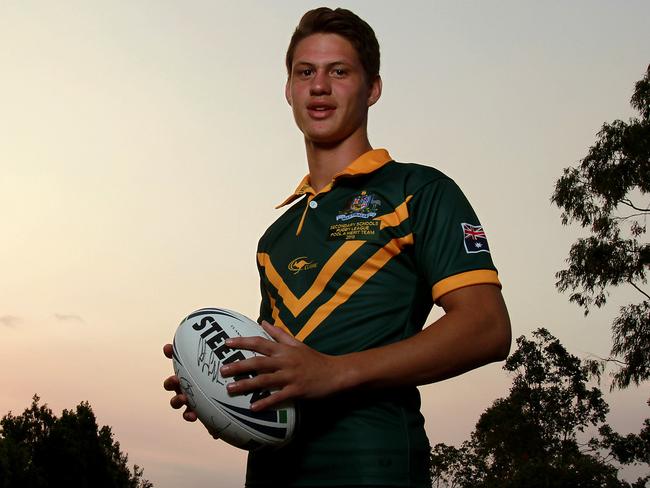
320, 84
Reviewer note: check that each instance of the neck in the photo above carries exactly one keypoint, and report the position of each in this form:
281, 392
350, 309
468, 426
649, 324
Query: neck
326, 160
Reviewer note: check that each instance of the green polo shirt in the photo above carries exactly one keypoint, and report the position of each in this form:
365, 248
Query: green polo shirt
356, 266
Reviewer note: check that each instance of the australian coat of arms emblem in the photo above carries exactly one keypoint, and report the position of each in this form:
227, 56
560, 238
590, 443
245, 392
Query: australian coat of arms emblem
362, 206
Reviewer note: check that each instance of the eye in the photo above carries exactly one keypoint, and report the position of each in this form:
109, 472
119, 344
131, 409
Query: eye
305, 72
339, 72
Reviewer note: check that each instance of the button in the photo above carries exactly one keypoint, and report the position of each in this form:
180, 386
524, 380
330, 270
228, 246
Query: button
313, 204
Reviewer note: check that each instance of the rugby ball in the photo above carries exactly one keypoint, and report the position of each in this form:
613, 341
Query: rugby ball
199, 353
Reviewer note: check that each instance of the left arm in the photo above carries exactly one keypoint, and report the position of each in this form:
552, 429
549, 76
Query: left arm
474, 331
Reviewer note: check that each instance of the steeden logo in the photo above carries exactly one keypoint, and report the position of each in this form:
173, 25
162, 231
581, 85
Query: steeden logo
300, 264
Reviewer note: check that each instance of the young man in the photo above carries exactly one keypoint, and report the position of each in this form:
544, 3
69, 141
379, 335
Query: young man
349, 274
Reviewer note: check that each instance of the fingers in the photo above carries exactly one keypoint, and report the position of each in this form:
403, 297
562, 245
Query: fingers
279, 367
213, 432
281, 389
260, 374
273, 400
180, 399
190, 415
259, 382
278, 334
262, 345
254, 365
257, 344
172, 384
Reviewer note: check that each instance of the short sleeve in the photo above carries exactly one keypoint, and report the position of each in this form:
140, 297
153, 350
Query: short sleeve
265, 307
450, 244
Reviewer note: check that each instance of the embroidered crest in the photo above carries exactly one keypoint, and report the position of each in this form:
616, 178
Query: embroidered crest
300, 264
475, 239
362, 206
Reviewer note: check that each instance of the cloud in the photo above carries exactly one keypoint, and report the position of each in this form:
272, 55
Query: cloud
10, 320
65, 317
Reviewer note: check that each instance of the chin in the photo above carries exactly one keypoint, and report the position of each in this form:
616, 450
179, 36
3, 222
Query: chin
326, 137
321, 139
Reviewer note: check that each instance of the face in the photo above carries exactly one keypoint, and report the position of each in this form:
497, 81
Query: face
328, 91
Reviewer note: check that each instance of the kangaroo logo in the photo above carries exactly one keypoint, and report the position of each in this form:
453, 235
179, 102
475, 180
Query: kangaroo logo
300, 264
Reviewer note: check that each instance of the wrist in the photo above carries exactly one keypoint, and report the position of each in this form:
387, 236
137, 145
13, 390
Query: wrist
346, 372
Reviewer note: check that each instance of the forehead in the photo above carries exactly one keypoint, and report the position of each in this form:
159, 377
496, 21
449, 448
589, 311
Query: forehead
325, 48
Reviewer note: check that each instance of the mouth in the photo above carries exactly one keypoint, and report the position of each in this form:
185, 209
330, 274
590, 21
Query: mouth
320, 110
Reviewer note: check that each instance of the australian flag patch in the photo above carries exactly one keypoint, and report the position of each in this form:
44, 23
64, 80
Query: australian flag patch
474, 237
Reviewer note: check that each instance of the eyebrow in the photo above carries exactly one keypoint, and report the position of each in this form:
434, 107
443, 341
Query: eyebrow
332, 63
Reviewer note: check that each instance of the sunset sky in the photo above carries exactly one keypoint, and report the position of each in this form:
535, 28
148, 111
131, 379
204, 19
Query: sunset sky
144, 145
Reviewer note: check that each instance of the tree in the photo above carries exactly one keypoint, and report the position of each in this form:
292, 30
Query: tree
39, 450
533, 437
607, 194
632, 448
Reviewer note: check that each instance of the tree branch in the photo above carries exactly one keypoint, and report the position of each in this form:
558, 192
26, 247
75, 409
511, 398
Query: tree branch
608, 360
639, 290
641, 214
626, 201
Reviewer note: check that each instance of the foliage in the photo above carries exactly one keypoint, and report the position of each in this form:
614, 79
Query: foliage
632, 448
39, 450
607, 194
532, 437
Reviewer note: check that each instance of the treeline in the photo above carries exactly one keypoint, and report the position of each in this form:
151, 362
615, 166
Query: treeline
539, 435
40, 450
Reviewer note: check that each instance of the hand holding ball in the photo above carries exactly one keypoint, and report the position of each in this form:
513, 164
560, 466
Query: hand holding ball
199, 351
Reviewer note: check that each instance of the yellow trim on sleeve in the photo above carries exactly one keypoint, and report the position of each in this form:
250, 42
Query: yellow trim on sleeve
468, 278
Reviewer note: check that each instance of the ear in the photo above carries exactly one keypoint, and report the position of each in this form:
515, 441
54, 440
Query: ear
375, 91
287, 91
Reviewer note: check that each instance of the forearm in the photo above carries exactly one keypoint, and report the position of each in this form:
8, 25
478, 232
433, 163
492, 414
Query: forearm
475, 330
461, 340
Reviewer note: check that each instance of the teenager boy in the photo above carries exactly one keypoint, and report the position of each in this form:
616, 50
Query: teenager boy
349, 274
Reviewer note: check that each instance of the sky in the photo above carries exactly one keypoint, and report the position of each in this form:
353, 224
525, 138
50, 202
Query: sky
144, 145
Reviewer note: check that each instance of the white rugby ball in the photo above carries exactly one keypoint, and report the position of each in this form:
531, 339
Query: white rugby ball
199, 353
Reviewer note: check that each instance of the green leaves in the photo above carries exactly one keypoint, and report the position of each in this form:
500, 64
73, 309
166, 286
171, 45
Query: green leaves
39, 450
631, 331
608, 194
535, 436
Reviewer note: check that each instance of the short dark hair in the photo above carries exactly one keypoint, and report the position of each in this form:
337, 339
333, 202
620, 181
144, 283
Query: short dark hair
346, 24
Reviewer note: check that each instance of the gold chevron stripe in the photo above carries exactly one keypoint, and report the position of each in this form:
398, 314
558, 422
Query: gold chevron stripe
354, 282
296, 305
395, 218
275, 315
